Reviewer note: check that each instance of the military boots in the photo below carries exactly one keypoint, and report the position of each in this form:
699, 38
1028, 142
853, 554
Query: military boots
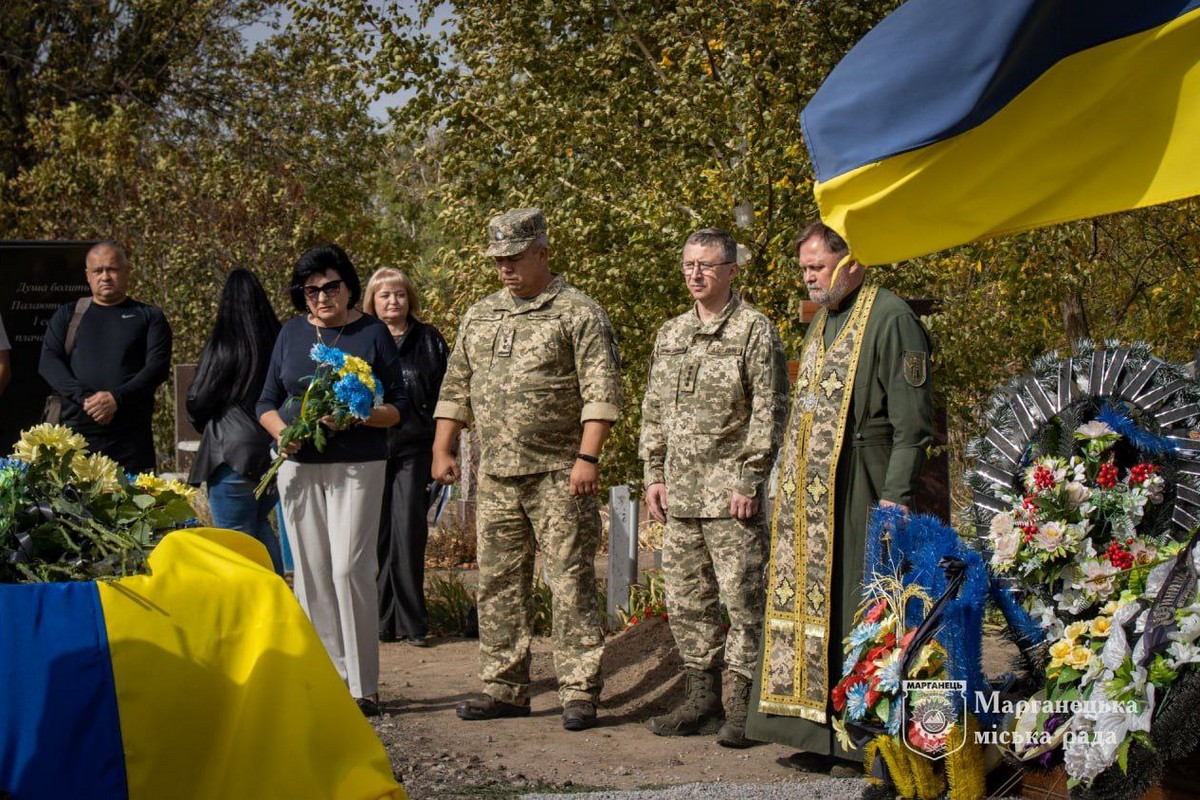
733, 732
699, 713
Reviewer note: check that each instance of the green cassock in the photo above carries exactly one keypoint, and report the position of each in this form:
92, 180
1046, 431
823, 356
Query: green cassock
887, 427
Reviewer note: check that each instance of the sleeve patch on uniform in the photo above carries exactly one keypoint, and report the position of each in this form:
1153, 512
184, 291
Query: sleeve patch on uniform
915, 372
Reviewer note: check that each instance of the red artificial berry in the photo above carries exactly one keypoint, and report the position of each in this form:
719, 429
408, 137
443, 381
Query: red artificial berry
1141, 473
1107, 477
1129, 540
1043, 478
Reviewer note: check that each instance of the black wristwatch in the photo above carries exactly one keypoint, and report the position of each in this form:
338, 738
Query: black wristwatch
587, 458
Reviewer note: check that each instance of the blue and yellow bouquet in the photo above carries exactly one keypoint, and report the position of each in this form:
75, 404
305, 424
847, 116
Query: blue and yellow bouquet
342, 388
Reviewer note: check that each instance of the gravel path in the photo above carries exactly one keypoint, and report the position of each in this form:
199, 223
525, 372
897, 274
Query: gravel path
834, 789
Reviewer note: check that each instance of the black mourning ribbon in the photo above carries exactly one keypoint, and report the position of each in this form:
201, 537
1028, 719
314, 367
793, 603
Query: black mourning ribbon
956, 572
24, 553
1176, 592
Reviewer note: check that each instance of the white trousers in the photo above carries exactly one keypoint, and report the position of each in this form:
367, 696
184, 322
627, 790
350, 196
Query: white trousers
331, 512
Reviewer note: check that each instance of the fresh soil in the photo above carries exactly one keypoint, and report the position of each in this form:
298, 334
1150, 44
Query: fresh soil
437, 755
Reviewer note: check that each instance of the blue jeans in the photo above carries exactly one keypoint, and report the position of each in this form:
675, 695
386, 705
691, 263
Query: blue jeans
233, 505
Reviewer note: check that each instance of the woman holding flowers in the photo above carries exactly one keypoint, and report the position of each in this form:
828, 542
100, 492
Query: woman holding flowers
345, 364
403, 530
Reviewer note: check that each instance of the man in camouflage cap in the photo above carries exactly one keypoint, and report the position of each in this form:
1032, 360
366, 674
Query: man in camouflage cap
713, 414
534, 369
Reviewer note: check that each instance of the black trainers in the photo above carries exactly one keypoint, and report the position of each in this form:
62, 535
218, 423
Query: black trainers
369, 707
579, 715
488, 707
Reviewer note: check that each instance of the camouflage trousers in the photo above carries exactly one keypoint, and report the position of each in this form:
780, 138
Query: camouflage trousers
710, 560
511, 515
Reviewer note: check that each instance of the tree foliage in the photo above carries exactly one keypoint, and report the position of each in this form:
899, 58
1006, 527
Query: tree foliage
157, 124
633, 122
630, 122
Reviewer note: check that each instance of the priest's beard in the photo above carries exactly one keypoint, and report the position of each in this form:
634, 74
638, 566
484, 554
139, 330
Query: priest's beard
834, 295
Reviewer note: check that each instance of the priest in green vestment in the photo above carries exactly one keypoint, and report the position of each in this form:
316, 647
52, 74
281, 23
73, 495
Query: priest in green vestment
859, 425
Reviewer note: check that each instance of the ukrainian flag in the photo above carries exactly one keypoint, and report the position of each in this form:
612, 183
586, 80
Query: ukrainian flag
201, 680
955, 120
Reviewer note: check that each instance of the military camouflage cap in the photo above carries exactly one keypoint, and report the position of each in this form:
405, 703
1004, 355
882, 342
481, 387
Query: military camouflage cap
511, 232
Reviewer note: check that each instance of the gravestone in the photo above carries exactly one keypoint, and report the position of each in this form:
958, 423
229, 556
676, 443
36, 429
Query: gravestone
35, 279
622, 547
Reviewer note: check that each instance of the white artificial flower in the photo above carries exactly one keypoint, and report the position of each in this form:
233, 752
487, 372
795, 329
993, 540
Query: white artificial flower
1004, 548
1134, 505
1001, 525
1113, 723
1098, 578
1155, 486
1093, 430
1076, 533
1189, 628
1077, 494
1156, 578
1077, 467
1103, 725
1180, 654
1095, 670
1116, 648
1072, 601
1046, 618
1056, 466
1143, 552
1083, 758
1050, 536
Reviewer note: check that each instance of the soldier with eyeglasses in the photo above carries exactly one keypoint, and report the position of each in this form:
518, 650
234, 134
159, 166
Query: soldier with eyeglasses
712, 417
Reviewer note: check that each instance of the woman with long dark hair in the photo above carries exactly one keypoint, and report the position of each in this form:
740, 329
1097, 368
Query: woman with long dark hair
403, 530
234, 449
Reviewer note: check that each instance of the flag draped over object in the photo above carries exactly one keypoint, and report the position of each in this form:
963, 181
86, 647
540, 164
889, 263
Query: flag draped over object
203, 679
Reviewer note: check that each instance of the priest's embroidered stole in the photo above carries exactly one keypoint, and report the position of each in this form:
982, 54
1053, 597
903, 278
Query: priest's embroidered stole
795, 680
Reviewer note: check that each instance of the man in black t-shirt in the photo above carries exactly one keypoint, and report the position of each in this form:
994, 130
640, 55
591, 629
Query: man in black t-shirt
121, 353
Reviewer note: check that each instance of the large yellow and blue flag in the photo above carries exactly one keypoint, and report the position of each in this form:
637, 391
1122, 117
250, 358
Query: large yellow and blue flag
956, 120
203, 679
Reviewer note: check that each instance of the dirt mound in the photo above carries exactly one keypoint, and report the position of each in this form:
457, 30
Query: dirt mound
642, 671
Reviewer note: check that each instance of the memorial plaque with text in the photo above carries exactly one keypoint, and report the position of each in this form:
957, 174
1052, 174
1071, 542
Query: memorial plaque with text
35, 279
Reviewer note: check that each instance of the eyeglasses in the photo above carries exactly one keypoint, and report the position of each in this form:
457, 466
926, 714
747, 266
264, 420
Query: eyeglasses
330, 289
706, 269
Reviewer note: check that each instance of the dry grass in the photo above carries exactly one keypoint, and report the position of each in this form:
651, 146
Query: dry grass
452, 542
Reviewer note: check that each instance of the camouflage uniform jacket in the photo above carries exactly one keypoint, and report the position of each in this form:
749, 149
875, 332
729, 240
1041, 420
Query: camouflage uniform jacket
529, 374
714, 410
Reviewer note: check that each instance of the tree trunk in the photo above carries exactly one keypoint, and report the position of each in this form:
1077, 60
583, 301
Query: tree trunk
1075, 319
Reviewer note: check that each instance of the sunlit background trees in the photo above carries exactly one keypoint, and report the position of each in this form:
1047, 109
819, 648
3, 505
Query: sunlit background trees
219, 133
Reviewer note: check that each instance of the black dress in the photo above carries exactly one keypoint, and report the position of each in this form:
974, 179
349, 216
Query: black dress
403, 529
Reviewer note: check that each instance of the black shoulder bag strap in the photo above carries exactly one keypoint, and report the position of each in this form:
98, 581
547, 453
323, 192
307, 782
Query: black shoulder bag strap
53, 410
